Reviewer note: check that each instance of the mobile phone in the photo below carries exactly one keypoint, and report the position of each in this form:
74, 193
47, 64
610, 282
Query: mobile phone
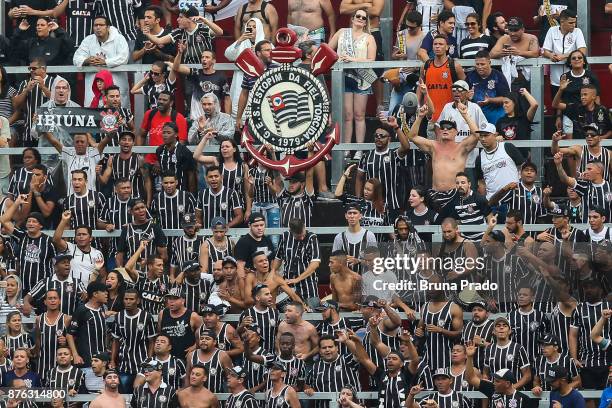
249, 30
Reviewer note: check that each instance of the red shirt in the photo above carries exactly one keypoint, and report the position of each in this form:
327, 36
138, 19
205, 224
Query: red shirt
155, 131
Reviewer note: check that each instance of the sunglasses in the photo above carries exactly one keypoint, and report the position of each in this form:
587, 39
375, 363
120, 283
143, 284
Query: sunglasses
34, 68
148, 370
458, 89
380, 136
591, 135
154, 73
446, 126
361, 17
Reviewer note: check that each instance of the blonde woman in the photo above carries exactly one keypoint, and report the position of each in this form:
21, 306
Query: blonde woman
356, 44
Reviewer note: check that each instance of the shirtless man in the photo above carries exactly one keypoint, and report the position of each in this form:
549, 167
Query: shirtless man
305, 334
345, 284
261, 9
307, 16
447, 156
516, 42
230, 289
274, 282
110, 397
196, 395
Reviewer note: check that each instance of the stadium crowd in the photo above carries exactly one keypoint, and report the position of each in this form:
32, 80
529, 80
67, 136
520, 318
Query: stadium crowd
146, 314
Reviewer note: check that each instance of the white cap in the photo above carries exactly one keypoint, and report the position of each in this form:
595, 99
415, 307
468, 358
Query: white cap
487, 128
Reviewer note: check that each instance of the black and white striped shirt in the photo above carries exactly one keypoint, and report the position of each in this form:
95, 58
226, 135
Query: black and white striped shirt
469, 47
326, 328
261, 191
594, 195
196, 294
527, 201
173, 371
244, 399
198, 41
130, 169
118, 213
122, 15
560, 326
295, 369
543, 365
86, 209
460, 382
471, 209
278, 400
169, 210
331, 376
218, 253
392, 391
80, 15
354, 244
295, 206
296, 256
22, 340
164, 397
34, 99
437, 346
48, 332
214, 368
177, 159
133, 334
391, 341
71, 378
511, 356
383, 165
132, 234
88, 327
506, 272
584, 319
87, 162
152, 90
35, 257
256, 372
587, 157
267, 320
527, 329
185, 249
70, 291
485, 331
152, 292
453, 399
20, 182
234, 179
221, 204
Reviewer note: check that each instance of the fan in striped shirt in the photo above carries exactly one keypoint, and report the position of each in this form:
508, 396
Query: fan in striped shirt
173, 369
174, 156
217, 247
121, 16
256, 358
218, 201
164, 395
133, 335
66, 376
506, 354
592, 187
196, 286
479, 330
296, 201
332, 322
170, 205
355, 239
295, 368
153, 284
279, 394
227, 337
116, 211
298, 250
552, 356
528, 324
241, 397
444, 397
264, 315
31, 93
84, 204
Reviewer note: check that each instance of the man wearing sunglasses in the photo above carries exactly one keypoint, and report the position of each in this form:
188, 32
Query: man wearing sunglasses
585, 154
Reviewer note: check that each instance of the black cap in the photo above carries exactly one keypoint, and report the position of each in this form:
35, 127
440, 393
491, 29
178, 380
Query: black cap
498, 236
591, 126
276, 365
229, 259
127, 133
448, 122
441, 372
175, 292
188, 220
218, 221
61, 257
210, 309
515, 24
555, 373
256, 217
152, 363
208, 333
37, 216
299, 177
530, 164
369, 301
189, 11
505, 374
109, 371
560, 211
549, 339
352, 206
236, 371
328, 304
479, 303
102, 356
94, 287
254, 327
191, 266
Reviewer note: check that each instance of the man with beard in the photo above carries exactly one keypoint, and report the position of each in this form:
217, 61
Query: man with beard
226, 336
195, 285
496, 25
144, 50
516, 42
502, 267
444, 396
441, 322
212, 120
173, 369
523, 197
563, 392
296, 201
528, 324
592, 361
464, 205
332, 322
479, 330
110, 397
65, 375
263, 275
515, 234
305, 334
345, 284
229, 289
279, 394
241, 397
113, 101
552, 356
456, 249
503, 391
179, 323
215, 361
263, 314
197, 395
172, 204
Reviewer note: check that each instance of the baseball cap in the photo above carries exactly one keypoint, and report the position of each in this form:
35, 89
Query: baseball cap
352, 206
410, 101
153, 363
328, 304
188, 220
276, 365
256, 217
479, 303
298, 177
560, 211
127, 133
218, 221
189, 11
441, 372
505, 374
487, 128
237, 371
452, 123
61, 257
549, 339
555, 373
531, 164
370, 301
208, 333
102, 356
37, 216
109, 371
210, 309
498, 236
515, 24
191, 266
229, 259
501, 319
591, 126
461, 84
175, 292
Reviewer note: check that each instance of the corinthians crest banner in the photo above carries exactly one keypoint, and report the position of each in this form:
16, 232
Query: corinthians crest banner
77, 120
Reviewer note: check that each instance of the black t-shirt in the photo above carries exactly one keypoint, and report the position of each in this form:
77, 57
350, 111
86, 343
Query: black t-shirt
515, 400
247, 246
36, 5
151, 57
580, 116
572, 92
514, 128
205, 83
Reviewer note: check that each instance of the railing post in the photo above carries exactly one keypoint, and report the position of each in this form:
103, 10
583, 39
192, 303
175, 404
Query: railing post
337, 100
537, 90
584, 18
2, 17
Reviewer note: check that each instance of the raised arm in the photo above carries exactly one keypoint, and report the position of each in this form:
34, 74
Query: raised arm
597, 330
533, 104
469, 143
54, 142
422, 143
574, 151
470, 374
59, 242
565, 179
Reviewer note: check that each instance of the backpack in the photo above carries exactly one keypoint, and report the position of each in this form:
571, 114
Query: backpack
154, 112
451, 66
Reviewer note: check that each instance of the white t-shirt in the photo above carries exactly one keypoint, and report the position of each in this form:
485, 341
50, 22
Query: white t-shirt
498, 169
463, 130
558, 43
87, 162
82, 264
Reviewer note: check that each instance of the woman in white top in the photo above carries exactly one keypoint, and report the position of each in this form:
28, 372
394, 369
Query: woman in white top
253, 33
356, 44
